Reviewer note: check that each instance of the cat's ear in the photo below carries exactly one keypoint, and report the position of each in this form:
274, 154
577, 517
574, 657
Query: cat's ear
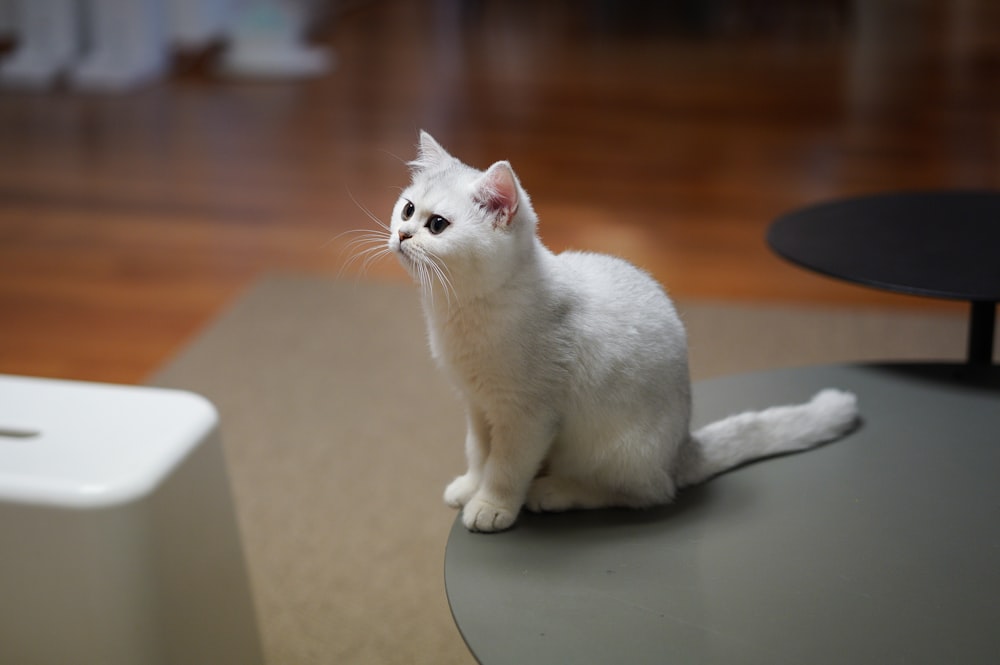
429, 153
497, 192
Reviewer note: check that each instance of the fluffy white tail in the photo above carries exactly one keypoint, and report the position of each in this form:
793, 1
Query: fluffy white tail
748, 436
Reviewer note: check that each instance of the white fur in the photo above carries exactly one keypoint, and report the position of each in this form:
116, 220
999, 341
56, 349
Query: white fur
573, 367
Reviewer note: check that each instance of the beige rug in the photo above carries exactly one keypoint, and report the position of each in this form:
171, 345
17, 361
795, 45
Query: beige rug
340, 437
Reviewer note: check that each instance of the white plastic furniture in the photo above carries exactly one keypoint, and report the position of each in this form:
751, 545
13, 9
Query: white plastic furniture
119, 538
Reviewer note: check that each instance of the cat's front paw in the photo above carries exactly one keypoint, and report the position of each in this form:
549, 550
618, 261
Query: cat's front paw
460, 490
488, 516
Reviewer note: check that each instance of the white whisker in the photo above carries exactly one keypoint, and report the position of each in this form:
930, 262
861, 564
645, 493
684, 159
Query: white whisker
373, 254
365, 245
393, 155
373, 238
361, 232
442, 274
372, 216
425, 282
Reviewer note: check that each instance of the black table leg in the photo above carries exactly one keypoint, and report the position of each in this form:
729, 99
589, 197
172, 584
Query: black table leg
982, 320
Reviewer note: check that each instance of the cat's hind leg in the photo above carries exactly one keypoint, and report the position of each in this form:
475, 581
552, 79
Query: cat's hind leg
556, 492
628, 472
561, 493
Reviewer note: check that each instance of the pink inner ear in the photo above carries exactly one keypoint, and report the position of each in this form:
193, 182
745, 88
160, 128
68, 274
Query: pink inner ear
499, 192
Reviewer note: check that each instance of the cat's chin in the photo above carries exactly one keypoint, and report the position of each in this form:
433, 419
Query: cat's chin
405, 261
412, 269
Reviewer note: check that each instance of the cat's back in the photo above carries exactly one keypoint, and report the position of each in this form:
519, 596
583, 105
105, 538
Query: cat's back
627, 333
613, 284
620, 309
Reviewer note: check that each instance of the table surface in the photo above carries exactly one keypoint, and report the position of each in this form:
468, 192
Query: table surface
940, 244
882, 547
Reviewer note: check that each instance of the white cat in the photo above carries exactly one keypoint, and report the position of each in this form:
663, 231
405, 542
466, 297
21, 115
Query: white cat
573, 367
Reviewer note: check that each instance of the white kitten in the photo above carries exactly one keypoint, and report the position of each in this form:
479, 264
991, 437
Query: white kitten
573, 367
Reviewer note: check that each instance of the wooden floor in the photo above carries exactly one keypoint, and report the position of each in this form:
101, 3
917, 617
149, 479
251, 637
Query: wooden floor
669, 136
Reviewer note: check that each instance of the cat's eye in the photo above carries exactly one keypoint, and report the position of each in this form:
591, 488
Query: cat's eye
436, 224
408, 210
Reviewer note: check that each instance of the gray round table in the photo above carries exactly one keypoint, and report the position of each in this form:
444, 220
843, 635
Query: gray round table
883, 547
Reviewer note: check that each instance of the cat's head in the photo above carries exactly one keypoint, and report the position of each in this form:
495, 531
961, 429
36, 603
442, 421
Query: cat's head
459, 229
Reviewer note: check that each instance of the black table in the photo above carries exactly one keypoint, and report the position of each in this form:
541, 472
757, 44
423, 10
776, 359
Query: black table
940, 244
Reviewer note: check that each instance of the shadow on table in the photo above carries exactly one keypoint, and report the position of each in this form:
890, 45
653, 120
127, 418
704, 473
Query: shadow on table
951, 375
691, 506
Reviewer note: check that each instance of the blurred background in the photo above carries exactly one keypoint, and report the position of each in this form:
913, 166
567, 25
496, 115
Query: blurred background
157, 156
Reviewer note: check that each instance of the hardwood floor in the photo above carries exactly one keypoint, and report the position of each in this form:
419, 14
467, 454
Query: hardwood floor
670, 136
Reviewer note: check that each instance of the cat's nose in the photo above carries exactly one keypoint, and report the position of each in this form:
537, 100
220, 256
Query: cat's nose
403, 235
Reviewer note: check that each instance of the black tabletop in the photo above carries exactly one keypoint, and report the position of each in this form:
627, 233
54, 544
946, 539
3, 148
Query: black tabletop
940, 244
